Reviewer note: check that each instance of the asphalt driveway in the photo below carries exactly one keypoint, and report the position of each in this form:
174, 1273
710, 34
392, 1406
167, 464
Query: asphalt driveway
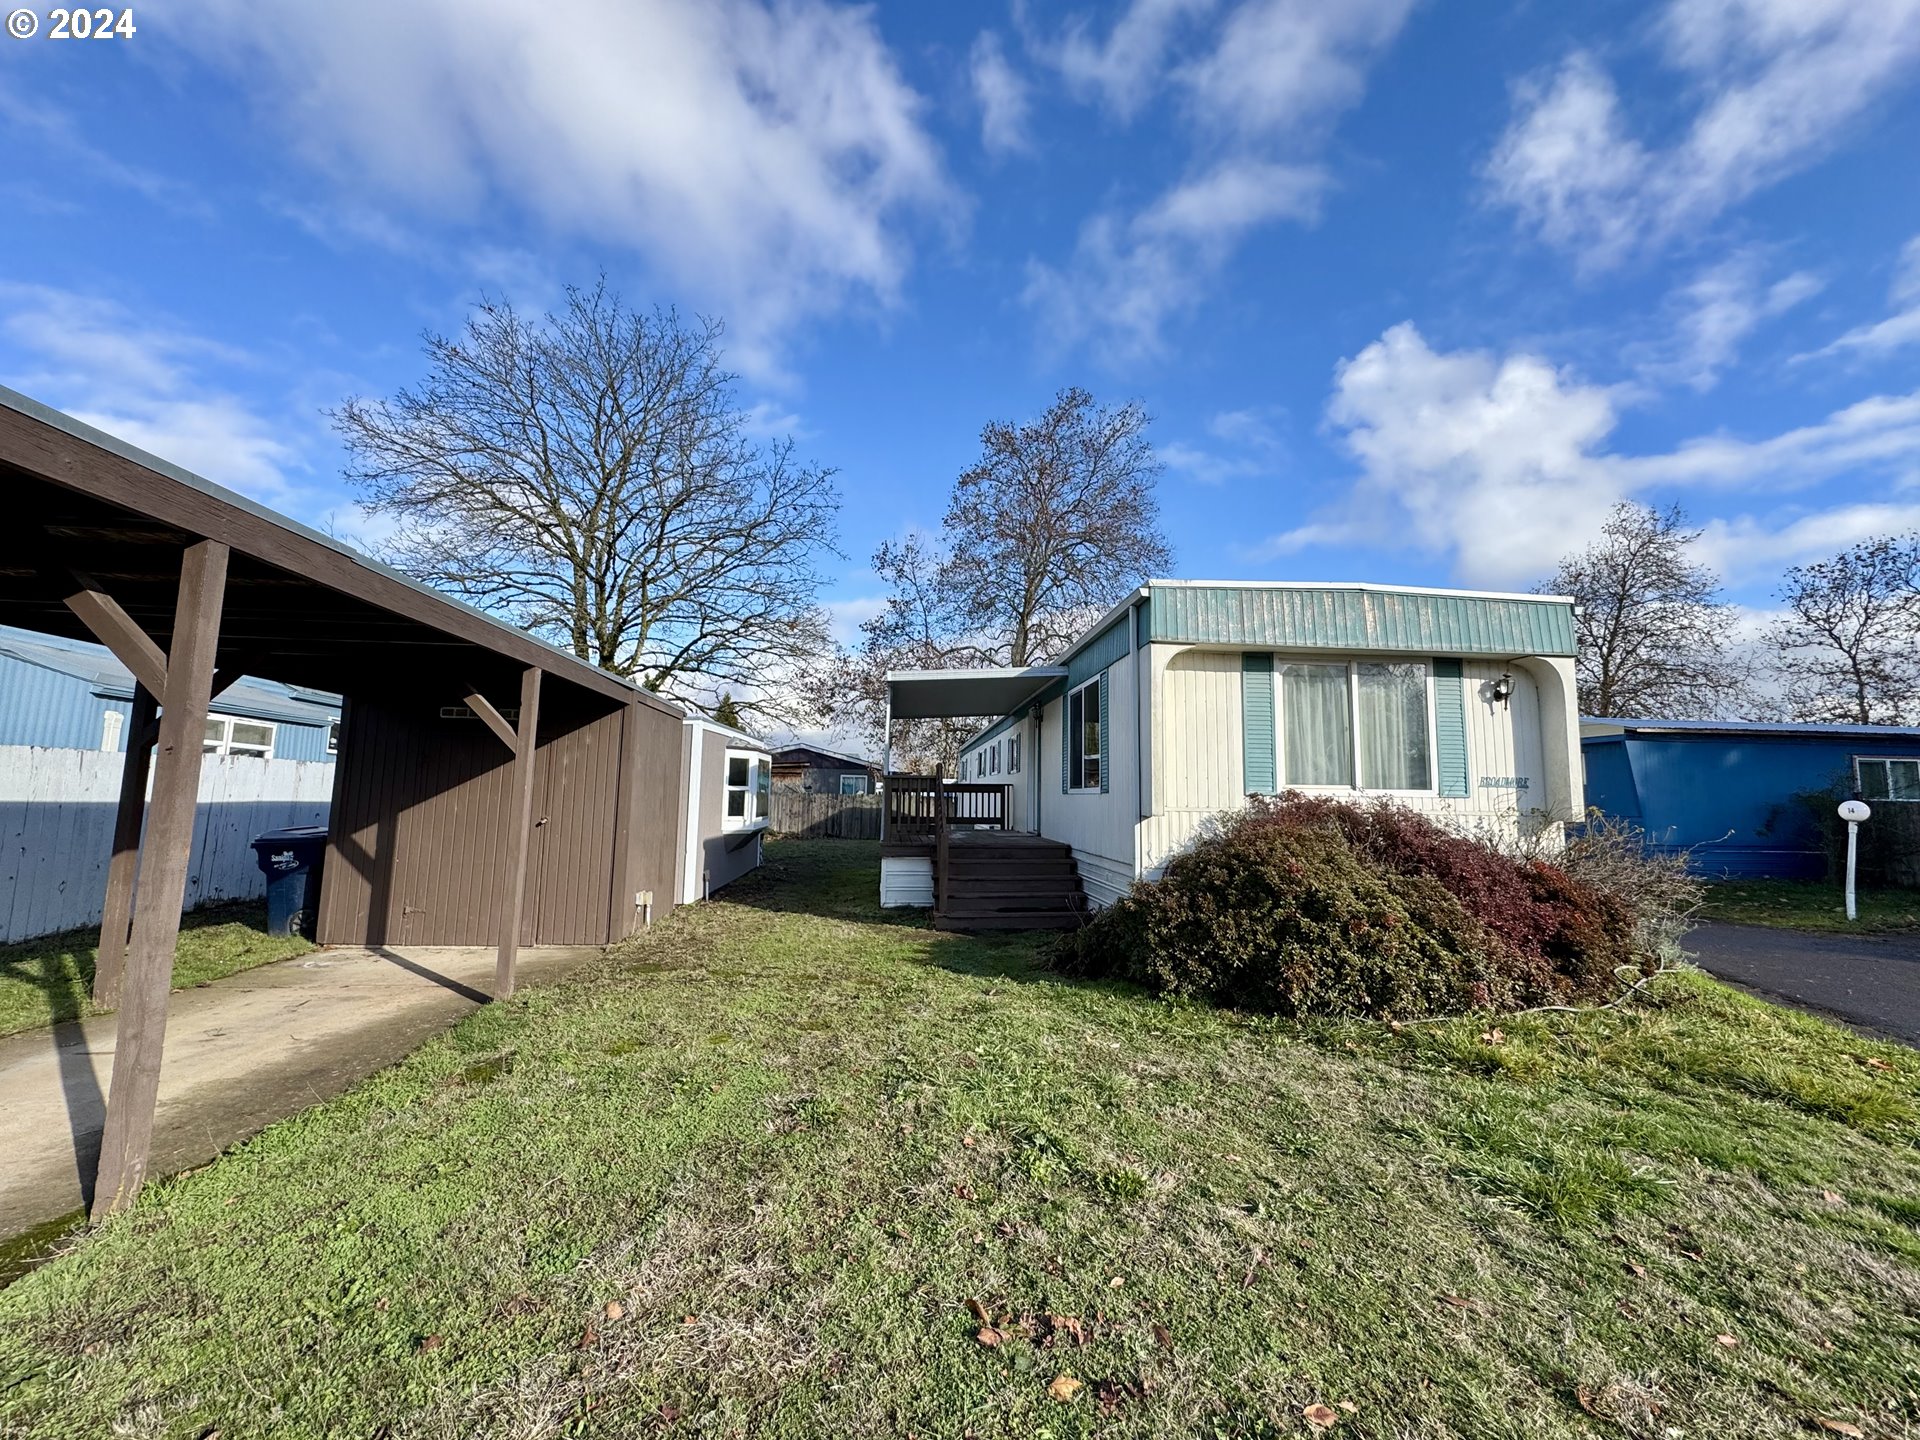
1869, 981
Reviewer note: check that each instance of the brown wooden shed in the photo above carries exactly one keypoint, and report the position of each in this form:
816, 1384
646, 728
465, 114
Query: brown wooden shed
482, 774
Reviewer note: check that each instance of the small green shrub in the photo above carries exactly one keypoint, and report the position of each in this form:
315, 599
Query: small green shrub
1305, 906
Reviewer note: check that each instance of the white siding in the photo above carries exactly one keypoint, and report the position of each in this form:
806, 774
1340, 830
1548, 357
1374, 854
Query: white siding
1099, 827
1197, 724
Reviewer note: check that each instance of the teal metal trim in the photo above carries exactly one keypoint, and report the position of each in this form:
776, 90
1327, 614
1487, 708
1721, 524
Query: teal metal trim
1350, 618
1450, 727
1143, 628
1258, 771
1097, 654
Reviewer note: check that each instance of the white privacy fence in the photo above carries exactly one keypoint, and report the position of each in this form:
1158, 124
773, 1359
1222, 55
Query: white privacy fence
56, 830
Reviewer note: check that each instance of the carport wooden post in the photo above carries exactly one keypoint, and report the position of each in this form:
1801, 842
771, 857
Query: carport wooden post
141, 1032
111, 961
526, 739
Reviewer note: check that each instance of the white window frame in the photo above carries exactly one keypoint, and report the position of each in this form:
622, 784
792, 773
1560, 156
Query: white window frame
1013, 753
1353, 664
1079, 785
1860, 785
852, 778
226, 745
333, 736
757, 789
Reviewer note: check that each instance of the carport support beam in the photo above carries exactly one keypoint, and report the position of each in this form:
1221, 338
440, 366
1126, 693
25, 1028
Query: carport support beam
140, 1035
527, 738
122, 869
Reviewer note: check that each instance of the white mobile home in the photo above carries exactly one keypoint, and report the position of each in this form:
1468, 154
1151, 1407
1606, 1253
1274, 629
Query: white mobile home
1192, 695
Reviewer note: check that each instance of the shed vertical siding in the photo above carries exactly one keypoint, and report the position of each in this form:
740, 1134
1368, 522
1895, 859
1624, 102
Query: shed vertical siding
652, 785
419, 832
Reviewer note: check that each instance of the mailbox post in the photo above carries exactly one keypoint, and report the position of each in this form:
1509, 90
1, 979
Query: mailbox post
1853, 812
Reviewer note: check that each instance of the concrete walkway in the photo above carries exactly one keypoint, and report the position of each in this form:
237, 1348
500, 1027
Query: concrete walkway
1871, 982
241, 1053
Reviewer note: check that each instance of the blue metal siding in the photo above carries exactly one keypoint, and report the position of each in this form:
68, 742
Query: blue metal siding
1450, 727
300, 742
1098, 653
44, 707
1729, 798
1335, 618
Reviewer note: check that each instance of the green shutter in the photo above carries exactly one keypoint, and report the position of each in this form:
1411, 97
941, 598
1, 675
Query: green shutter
1106, 750
1256, 723
1450, 727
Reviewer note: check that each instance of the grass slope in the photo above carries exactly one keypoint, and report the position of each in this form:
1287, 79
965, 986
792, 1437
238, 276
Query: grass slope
49, 980
1810, 905
793, 1147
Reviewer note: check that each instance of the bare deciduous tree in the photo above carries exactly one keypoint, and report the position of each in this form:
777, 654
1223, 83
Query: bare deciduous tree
1055, 522
589, 476
1653, 637
1849, 647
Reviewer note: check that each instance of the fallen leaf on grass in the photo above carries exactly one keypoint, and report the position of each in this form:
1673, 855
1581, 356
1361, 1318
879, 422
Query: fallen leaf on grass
1349, 1407
1639, 1272
1841, 1427
1321, 1417
1116, 1282
978, 1311
614, 1310
1495, 1036
589, 1338
1727, 1340
1833, 1197
1064, 1387
1459, 1302
1163, 1337
987, 1336
1874, 1062
1585, 1397
1058, 1325
429, 1342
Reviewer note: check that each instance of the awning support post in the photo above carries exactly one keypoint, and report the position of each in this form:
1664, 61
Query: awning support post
116, 920
520, 810
140, 1034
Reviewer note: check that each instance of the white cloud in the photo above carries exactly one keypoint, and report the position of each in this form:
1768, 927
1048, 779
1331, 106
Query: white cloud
1281, 65
1002, 96
845, 617
1718, 311
1122, 70
1261, 94
1774, 85
143, 383
1248, 446
770, 157
1752, 548
1899, 329
1130, 275
1504, 463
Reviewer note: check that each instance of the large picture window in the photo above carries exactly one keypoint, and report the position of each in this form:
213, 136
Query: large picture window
749, 790
1365, 725
1888, 779
1083, 736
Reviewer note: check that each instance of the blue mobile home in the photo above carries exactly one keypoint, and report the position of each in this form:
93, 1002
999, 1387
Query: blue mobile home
1728, 789
67, 694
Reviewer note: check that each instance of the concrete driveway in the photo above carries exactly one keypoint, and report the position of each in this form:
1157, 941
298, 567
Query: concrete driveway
1869, 981
241, 1053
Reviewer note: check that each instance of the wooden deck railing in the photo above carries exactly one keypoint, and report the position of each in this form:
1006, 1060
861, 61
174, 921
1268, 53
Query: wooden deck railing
920, 806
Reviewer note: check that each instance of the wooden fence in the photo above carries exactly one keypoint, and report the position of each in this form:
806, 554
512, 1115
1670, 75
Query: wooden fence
821, 816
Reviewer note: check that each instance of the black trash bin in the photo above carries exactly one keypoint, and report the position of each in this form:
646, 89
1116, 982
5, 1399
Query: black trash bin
290, 859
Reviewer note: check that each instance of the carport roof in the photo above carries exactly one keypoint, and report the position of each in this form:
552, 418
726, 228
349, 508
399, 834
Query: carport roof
301, 607
948, 694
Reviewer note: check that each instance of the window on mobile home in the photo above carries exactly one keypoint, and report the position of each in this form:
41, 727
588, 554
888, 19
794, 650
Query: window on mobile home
1083, 736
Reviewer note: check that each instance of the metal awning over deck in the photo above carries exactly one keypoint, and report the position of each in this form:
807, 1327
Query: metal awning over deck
949, 694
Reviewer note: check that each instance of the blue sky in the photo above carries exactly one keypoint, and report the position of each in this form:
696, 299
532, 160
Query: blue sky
1414, 291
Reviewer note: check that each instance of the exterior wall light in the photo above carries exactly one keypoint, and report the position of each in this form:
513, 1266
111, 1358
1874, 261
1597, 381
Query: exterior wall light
1503, 688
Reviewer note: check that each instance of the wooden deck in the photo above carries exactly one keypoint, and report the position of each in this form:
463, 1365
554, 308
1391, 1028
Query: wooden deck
985, 876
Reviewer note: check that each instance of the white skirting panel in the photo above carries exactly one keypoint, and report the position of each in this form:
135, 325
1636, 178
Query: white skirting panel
1104, 880
906, 880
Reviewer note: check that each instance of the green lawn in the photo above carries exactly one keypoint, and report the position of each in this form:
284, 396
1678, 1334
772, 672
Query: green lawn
1810, 905
785, 1168
45, 981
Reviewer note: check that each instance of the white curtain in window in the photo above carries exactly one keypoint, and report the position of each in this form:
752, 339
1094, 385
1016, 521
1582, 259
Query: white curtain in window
1314, 712
1393, 727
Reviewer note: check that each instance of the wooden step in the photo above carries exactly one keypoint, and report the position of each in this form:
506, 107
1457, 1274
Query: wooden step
1011, 865
1010, 904
1013, 884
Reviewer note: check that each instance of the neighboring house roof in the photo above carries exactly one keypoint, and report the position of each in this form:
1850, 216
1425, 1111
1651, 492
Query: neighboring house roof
1597, 727
814, 758
108, 678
